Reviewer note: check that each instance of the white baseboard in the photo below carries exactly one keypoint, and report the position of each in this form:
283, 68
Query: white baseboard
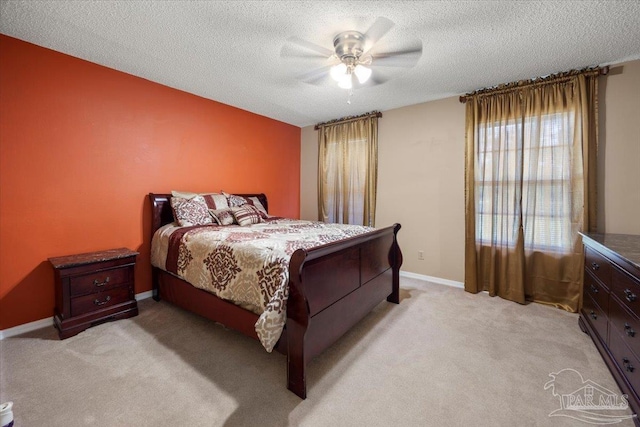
26, 327
432, 279
43, 323
144, 295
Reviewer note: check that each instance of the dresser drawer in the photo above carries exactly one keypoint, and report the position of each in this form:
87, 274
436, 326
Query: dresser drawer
628, 363
626, 289
595, 316
99, 281
597, 265
92, 302
595, 290
626, 324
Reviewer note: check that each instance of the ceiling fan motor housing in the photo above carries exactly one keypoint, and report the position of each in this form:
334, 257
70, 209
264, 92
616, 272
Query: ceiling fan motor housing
349, 45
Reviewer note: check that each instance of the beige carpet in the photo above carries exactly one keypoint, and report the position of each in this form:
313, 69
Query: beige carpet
442, 357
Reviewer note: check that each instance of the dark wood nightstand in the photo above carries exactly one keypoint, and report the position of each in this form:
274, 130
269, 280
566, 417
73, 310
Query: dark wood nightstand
93, 288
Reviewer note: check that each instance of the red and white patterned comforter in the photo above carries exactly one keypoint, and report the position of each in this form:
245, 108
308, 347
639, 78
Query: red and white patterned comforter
248, 265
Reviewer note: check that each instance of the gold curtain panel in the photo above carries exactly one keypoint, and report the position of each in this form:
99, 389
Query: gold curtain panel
348, 170
530, 176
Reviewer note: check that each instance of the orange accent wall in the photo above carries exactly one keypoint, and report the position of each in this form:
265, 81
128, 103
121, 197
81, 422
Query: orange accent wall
81, 146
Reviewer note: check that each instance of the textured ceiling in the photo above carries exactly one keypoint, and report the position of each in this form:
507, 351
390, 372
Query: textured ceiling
230, 51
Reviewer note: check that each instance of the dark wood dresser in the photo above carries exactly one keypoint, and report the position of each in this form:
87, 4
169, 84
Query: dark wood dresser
93, 288
611, 306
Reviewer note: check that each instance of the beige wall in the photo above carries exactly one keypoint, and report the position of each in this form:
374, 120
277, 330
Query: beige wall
619, 154
420, 183
309, 174
421, 173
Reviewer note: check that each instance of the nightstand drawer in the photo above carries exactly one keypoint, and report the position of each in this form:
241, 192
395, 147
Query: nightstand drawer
100, 300
99, 281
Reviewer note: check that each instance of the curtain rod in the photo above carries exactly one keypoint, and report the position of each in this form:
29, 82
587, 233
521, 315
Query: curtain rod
348, 119
553, 78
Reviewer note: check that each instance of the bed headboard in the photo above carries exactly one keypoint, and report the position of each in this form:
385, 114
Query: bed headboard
161, 212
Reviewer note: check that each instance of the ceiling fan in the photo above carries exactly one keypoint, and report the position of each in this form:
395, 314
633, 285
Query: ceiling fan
357, 59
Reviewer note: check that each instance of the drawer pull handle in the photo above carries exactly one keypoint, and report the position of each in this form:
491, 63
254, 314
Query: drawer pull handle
595, 266
630, 332
627, 365
630, 296
593, 315
98, 302
99, 284
594, 289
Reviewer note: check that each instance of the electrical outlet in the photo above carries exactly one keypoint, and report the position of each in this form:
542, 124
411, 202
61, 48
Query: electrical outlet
421, 255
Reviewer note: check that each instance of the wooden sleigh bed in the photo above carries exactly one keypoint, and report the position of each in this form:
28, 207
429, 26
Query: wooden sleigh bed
331, 288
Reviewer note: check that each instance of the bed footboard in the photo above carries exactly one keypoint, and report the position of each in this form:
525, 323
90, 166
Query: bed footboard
331, 288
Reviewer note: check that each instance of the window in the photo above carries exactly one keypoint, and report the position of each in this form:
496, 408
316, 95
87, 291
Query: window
524, 170
530, 178
346, 179
348, 170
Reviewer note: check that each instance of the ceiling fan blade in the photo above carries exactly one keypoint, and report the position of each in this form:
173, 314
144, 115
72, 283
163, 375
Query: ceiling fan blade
314, 76
295, 52
319, 80
311, 46
374, 80
377, 31
378, 80
403, 58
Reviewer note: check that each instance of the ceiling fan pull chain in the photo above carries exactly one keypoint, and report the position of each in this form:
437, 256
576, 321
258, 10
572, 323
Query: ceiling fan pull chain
349, 97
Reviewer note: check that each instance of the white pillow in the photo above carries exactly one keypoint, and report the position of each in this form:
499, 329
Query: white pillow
183, 194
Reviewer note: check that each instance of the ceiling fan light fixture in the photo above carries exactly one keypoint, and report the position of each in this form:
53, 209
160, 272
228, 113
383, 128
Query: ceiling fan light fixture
355, 55
338, 71
362, 73
345, 82
349, 48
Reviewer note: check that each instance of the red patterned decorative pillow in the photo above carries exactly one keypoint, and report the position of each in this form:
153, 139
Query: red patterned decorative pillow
247, 214
222, 216
191, 211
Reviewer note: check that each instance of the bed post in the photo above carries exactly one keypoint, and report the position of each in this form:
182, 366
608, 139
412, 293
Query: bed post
155, 283
297, 323
395, 260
